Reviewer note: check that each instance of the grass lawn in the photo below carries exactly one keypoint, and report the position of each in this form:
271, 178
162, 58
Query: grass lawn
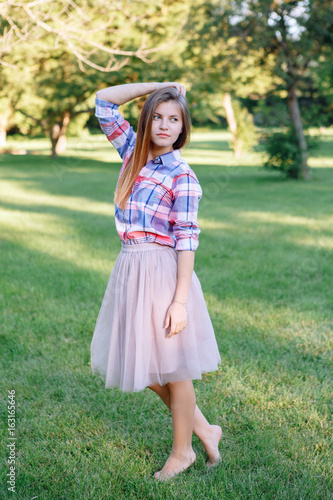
266, 269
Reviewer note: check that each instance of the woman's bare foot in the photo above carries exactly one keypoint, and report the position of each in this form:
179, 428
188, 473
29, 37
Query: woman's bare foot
211, 444
174, 465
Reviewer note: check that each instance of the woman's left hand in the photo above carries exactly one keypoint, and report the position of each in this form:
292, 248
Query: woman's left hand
176, 318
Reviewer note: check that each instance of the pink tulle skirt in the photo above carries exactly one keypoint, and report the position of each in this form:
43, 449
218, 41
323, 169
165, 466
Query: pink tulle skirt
130, 348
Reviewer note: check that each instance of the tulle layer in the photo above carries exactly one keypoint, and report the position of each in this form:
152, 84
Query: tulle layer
130, 348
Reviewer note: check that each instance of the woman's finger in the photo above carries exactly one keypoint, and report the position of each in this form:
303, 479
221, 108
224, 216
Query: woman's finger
173, 329
181, 89
167, 321
178, 328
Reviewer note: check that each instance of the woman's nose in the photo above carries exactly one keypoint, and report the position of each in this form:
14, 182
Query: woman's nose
164, 124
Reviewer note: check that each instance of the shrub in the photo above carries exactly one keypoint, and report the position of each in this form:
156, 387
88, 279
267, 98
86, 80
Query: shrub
284, 153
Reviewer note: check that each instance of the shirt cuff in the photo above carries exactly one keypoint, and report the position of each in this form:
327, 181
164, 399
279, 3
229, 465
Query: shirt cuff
187, 244
103, 107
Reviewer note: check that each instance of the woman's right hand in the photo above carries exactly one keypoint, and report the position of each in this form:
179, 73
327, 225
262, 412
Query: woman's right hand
162, 85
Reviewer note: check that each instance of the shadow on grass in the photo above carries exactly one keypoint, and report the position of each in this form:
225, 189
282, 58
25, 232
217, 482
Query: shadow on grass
302, 264
210, 145
74, 285
96, 180
46, 347
271, 394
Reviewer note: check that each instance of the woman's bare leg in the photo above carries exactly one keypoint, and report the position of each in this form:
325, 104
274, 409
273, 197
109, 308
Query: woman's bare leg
182, 405
209, 435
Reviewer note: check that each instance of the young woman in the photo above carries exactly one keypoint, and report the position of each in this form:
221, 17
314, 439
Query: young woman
153, 329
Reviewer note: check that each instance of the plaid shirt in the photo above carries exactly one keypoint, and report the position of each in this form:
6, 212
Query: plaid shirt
163, 205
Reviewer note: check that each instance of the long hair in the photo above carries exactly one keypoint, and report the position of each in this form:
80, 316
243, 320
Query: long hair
141, 150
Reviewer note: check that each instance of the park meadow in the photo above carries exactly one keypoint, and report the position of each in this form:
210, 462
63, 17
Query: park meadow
266, 269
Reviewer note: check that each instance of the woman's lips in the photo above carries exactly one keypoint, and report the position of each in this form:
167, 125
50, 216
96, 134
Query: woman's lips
162, 135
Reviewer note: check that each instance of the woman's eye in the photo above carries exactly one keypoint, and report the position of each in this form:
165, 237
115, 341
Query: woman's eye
174, 119
156, 117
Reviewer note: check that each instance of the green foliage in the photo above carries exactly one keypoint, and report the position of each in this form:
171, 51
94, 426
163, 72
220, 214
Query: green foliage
285, 41
271, 111
317, 111
77, 124
206, 106
249, 49
284, 152
71, 48
246, 131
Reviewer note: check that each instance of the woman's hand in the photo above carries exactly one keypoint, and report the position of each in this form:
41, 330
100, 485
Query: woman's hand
181, 89
176, 318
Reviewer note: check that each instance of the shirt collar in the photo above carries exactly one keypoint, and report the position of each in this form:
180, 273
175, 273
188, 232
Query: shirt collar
168, 157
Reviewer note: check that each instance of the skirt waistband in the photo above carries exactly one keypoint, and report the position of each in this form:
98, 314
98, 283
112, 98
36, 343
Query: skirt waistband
144, 247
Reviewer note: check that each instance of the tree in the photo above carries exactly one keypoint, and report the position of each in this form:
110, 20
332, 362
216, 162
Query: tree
88, 29
296, 34
62, 48
255, 46
219, 65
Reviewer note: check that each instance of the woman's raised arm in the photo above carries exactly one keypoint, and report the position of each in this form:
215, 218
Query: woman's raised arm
124, 93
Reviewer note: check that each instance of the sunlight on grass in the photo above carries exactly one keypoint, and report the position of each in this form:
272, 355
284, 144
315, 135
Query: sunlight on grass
22, 194
311, 338
194, 157
289, 220
213, 224
95, 146
49, 233
265, 265
280, 327
322, 242
321, 162
211, 135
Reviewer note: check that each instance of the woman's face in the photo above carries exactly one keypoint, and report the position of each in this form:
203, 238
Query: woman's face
166, 126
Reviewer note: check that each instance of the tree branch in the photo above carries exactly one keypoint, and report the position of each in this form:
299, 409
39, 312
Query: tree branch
69, 34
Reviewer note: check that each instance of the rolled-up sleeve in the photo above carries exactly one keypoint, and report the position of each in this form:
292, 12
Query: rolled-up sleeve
184, 213
117, 130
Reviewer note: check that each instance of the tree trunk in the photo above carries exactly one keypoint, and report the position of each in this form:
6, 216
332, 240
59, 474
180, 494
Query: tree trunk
3, 129
295, 115
58, 135
232, 124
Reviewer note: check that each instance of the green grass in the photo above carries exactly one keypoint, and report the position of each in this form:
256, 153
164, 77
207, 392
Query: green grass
265, 265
